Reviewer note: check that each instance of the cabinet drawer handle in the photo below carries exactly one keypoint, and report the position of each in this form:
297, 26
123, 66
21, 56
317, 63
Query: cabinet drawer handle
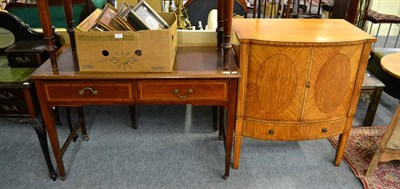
94, 91
189, 92
271, 132
324, 130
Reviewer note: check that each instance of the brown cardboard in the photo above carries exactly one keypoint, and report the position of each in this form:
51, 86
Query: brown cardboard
127, 51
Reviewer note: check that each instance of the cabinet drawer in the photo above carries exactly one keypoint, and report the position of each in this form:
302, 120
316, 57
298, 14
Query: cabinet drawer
89, 92
179, 90
292, 130
11, 94
13, 102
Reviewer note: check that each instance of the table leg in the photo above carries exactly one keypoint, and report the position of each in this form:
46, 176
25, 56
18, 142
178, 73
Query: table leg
230, 124
41, 133
53, 136
372, 107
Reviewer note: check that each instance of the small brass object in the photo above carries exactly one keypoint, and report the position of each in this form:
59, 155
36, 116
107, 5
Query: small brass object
308, 85
82, 91
177, 93
182, 16
324, 130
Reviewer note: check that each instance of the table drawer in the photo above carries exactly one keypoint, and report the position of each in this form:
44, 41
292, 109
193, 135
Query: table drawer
182, 90
292, 130
13, 102
90, 92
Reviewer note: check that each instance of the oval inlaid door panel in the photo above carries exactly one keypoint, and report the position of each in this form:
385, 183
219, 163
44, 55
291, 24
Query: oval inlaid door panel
276, 82
333, 80
332, 76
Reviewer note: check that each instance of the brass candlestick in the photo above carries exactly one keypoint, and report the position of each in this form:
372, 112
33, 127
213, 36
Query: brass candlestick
182, 16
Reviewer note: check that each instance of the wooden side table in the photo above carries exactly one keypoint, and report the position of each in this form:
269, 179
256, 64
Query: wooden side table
391, 64
389, 148
372, 88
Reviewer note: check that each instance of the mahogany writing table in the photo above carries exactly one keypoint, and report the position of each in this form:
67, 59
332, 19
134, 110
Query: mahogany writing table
198, 78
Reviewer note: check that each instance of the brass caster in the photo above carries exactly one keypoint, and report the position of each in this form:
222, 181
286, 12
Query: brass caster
53, 176
75, 137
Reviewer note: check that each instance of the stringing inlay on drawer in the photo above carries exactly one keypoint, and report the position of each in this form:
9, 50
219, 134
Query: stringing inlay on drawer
90, 91
180, 90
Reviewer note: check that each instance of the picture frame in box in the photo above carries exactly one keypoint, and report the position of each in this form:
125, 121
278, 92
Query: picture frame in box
89, 22
149, 16
122, 19
124, 6
105, 19
136, 22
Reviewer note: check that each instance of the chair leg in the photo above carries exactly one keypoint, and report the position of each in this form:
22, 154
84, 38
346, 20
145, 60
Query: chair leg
68, 112
215, 117
132, 112
56, 114
218, 120
83, 124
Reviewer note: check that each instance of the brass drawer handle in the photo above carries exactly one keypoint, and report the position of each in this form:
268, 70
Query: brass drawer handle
94, 91
189, 92
324, 130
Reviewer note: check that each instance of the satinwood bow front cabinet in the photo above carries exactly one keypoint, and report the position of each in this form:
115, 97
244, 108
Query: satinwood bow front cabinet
301, 79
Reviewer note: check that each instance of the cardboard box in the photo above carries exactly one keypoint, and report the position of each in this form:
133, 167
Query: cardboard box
127, 51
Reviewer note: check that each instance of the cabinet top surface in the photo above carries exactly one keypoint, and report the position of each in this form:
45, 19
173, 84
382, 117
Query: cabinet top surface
299, 31
190, 62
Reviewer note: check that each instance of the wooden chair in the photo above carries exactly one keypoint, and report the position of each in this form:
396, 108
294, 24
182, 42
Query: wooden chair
198, 10
300, 8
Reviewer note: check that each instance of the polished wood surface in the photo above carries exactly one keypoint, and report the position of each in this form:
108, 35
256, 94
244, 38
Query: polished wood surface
190, 62
298, 31
301, 79
391, 64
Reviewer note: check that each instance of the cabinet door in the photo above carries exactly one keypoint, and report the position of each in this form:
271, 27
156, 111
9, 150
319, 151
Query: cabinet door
276, 82
332, 78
